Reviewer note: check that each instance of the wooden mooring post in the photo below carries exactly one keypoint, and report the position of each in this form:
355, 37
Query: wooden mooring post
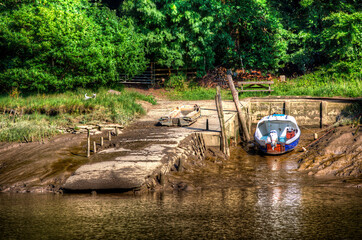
223, 141
101, 140
88, 143
237, 105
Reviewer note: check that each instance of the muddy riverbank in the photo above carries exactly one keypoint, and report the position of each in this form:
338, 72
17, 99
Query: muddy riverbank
41, 167
45, 166
249, 196
216, 171
338, 153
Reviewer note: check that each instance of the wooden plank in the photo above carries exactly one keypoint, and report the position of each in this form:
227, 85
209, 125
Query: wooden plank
265, 82
256, 87
131, 82
271, 90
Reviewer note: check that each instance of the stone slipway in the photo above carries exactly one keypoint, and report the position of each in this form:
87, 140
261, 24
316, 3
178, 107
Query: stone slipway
144, 151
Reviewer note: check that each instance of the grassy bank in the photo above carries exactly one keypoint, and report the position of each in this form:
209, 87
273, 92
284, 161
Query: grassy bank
38, 116
316, 84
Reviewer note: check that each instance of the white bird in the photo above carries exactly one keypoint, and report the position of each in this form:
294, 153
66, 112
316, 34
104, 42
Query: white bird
86, 97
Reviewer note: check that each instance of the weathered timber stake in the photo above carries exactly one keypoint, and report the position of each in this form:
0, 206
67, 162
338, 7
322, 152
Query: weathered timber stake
323, 113
88, 143
180, 165
354, 134
315, 136
101, 141
116, 130
94, 146
223, 142
207, 124
249, 120
161, 179
237, 105
199, 142
109, 136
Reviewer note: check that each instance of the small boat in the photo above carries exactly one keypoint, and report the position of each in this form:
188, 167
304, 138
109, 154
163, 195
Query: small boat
184, 115
277, 134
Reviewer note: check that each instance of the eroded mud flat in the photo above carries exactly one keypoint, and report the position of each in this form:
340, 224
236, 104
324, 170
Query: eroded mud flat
338, 153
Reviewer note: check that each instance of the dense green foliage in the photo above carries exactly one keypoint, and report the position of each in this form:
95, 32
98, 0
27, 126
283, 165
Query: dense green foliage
279, 35
42, 115
203, 34
60, 45
50, 45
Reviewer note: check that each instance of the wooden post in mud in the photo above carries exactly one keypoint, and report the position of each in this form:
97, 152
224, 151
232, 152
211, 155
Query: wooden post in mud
88, 143
249, 119
237, 105
101, 141
323, 113
223, 141
94, 147
109, 136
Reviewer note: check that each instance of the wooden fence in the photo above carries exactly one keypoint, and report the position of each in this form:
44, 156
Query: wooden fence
155, 74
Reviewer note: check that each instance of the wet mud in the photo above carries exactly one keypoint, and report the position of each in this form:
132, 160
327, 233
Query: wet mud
338, 153
44, 166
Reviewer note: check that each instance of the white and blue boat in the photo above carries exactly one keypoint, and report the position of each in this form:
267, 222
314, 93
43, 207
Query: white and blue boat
277, 134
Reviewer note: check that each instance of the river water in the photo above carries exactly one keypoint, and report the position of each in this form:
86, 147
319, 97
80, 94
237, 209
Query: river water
248, 197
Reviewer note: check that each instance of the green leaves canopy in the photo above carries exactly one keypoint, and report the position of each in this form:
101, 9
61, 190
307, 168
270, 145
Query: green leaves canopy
54, 46
206, 33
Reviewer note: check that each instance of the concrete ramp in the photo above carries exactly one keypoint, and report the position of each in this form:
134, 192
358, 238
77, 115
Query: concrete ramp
144, 150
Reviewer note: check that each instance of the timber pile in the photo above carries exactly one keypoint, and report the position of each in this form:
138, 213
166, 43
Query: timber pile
217, 77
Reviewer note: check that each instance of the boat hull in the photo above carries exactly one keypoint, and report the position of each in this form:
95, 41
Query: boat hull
277, 134
279, 149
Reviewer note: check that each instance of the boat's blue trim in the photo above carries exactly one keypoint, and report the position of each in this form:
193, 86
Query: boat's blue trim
292, 145
279, 115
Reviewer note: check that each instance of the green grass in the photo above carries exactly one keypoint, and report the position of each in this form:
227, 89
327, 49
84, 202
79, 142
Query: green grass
315, 84
41, 116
